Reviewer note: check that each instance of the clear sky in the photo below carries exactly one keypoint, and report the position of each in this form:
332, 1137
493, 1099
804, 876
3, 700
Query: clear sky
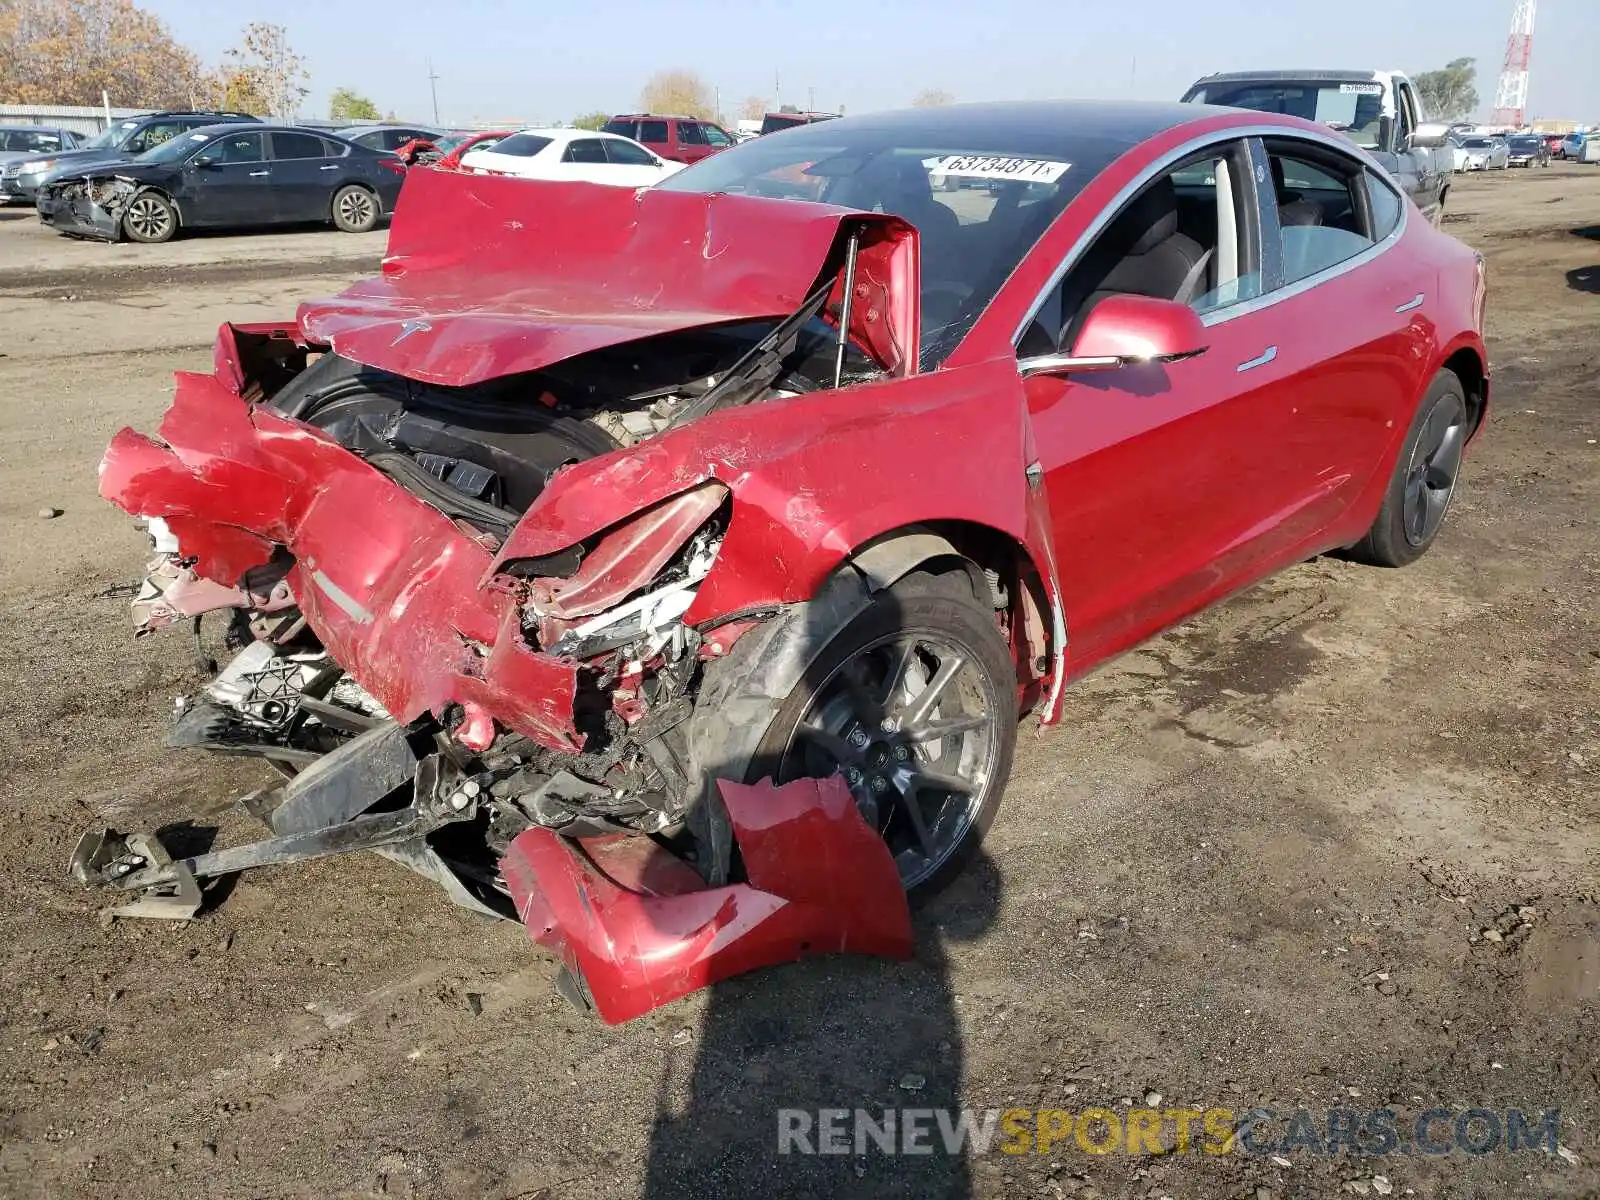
552, 61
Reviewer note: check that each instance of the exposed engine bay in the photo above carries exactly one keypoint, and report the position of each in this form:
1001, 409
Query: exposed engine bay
481, 455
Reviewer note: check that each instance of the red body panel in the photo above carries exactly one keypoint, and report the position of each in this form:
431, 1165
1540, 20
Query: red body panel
1172, 487
393, 593
488, 276
639, 928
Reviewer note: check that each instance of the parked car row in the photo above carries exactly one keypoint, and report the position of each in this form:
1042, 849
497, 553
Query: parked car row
221, 172
145, 178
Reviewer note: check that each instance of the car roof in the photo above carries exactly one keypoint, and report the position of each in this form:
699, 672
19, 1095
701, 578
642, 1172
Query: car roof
662, 117
1334, 75
1055, 124
224, 127
352, 131
564, 133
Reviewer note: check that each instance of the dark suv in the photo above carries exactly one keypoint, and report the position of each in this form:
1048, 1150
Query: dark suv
682, 139
21, 177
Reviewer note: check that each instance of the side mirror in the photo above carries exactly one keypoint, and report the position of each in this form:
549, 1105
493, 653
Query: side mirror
1126, 331
205, 160
1429, 135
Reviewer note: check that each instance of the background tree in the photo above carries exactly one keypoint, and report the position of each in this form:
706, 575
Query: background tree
240, 94
752, 109
931, 98
1449, 94
590, 120
68, 51
678, 93
274, 72
347, 104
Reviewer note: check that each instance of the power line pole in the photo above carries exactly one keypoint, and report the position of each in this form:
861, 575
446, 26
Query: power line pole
811, 99
433, 86
777, 93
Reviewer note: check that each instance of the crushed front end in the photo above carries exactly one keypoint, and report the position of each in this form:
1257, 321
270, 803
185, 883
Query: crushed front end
89, 206
453, 669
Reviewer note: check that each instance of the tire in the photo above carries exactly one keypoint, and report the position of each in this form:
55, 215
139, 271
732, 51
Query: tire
795, 669
1424, 481
355, 209
150, 218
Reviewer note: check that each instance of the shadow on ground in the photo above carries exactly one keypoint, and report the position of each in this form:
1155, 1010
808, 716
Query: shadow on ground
1584, 279
847, 1034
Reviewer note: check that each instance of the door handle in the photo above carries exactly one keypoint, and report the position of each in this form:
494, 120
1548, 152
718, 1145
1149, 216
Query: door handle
1414, 302
329, 167
259, 174
1260, 360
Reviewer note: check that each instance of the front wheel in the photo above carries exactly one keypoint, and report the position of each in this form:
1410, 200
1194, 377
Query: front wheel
913, 699
355, 209
150, 218
1424, 478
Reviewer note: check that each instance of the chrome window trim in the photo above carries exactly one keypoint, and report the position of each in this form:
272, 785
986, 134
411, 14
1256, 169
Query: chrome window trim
1184, 150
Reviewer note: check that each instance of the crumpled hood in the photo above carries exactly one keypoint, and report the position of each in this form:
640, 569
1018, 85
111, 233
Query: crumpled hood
488, 276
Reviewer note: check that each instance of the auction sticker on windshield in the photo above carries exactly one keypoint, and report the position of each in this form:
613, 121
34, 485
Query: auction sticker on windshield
987, 166
1361, 89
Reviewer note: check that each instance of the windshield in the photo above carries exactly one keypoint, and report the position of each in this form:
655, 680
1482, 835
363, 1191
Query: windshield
174, 149
1476, 143
113, 136
1354, 109
979, 202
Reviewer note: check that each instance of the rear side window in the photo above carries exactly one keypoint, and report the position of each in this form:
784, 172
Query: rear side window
585, 150
28, 141
1321, 213
522, 145
627, 154
691, 134
627, 129
652, 131
1385, 206
298, 145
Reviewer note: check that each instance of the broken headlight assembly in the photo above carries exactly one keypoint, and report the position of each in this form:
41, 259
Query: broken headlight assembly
633, 585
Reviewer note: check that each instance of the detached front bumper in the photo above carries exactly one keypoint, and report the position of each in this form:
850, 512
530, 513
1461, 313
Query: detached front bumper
400, 596
635, 927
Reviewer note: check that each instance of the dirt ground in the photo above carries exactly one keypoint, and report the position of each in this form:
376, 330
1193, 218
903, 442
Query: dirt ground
1254, 865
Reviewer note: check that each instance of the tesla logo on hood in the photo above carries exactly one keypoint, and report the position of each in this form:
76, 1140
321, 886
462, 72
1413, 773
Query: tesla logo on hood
407, 328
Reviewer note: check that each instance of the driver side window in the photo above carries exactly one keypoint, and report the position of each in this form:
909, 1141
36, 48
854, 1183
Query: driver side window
1188, 235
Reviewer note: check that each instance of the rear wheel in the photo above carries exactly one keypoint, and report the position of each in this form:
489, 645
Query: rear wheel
150, 218
355, 209
1424, 478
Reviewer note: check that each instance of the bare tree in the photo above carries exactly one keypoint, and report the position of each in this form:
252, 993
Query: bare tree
753, 108
590, 120
932, 98
269, 68
69, 51
677, 92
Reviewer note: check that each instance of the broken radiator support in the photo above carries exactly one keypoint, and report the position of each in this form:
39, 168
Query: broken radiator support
164, 887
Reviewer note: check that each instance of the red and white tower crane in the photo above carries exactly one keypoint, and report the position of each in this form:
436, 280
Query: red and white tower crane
1511, 91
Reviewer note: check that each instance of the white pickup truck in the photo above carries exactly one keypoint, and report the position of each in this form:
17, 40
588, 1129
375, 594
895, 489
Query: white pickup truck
1377, 110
